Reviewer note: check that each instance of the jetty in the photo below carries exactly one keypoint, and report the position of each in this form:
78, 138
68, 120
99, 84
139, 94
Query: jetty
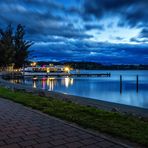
69, 74
21, 75
82, 75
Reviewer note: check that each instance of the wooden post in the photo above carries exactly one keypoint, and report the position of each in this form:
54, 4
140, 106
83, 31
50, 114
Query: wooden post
120, 84
137, 83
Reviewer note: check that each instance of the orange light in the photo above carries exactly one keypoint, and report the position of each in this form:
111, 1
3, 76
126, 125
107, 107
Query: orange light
67, 69
33, 64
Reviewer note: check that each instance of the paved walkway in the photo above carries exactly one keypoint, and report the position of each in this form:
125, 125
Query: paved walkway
24, 127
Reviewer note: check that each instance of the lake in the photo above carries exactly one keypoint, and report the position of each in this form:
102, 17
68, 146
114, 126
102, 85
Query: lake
100, 88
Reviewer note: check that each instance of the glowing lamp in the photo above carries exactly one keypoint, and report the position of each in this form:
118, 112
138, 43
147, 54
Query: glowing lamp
48, 70
67, 69
33, 64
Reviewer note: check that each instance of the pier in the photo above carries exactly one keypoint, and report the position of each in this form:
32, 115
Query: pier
70, 75
20, 75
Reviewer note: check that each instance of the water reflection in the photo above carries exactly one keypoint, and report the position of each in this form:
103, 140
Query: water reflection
34, 84
15, 81
51, 82
67, 82
43, 83
128, 90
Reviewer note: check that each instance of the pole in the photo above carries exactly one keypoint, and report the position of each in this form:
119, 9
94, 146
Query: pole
120, 84
137, 83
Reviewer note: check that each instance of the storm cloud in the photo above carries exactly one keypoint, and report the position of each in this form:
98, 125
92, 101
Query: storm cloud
105, 31
130, 12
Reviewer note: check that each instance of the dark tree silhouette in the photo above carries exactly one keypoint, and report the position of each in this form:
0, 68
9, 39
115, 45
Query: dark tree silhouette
6, 46
21, 47
13, 47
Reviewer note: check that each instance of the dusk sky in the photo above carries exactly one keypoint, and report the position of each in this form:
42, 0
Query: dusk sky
104, 31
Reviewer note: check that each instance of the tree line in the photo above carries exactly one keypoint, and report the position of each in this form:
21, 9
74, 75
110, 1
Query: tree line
13, 46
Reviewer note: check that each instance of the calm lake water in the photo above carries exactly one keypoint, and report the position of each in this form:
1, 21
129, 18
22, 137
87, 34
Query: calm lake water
101, 88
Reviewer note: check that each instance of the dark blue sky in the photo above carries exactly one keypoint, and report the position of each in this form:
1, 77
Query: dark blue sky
106, 31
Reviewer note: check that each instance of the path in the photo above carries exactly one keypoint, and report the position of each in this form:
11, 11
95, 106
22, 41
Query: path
24, 127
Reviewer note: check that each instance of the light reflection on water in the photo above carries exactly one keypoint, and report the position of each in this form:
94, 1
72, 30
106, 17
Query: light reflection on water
51, 82
101, 88
67, 82
34, 84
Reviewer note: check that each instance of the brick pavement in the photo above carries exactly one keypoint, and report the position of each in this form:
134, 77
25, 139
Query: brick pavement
24, 127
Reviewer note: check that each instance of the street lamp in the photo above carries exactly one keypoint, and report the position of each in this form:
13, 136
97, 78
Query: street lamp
67, 69
33, 64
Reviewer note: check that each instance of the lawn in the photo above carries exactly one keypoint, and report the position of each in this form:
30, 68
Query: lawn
116, 124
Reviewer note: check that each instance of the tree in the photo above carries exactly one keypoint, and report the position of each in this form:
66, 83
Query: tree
21, 47
13, 47
6, 46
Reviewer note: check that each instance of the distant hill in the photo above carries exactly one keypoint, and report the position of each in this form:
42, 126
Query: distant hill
94, 66
84, 65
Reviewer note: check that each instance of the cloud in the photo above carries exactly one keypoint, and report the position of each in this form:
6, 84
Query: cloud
139, 40
119, 38
144, 33
93, 26
40, 18
131, 12
142, 37
102, 52
58, 30
69, 31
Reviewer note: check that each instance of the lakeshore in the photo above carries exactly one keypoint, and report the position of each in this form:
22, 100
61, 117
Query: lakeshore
108, 106
86, 117
73, 74
122, 87
131, 116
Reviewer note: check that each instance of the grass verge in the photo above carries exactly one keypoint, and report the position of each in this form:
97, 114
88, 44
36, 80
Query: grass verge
116, 124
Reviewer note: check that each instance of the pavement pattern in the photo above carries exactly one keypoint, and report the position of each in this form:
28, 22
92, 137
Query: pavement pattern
24, 127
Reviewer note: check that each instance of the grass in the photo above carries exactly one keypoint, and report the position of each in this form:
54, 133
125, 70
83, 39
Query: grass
115, 124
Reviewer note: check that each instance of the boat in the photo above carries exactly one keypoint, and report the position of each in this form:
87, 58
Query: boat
45, 70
